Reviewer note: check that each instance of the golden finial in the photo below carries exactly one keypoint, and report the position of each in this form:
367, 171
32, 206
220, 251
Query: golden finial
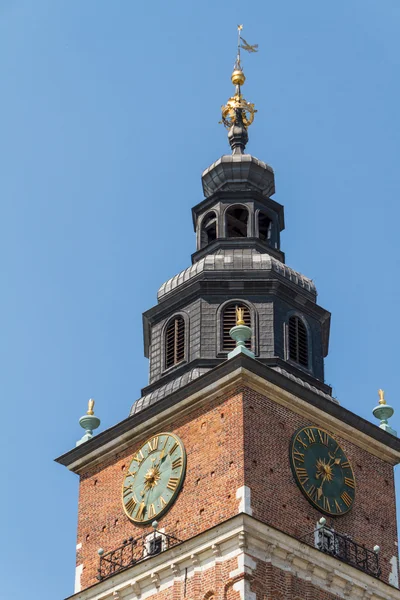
237, 108
240, 316
237, 76
90, 410
381, 394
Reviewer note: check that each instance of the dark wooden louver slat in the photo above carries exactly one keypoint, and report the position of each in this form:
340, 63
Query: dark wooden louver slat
298, 341
229, 321
175, 342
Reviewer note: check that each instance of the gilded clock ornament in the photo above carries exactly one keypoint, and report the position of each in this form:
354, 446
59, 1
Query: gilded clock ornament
322, 471
154, 478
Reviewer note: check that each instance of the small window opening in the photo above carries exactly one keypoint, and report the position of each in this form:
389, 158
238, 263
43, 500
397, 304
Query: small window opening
175, 342
229, 321
298, 341
236, 222
325, 540
155, 545
208, 229
264, 227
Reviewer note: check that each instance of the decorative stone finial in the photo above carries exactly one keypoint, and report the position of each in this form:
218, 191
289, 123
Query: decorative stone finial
381, 395
240, 333
383, 412
239, 315
238, 114
88, 422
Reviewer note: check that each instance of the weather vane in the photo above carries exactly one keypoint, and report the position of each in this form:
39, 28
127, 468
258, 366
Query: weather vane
245, 45
237, 111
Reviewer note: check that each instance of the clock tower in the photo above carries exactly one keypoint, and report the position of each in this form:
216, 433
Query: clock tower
237, 475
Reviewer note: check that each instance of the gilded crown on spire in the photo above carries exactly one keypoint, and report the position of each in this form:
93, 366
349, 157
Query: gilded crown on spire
237, 111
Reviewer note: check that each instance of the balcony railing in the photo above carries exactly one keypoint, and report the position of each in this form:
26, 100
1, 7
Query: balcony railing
132, 552
345, 549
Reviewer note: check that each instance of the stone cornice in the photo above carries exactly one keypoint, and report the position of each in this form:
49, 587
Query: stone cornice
250, 541
240, 370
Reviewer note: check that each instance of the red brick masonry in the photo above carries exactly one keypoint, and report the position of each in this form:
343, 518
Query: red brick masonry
235, 440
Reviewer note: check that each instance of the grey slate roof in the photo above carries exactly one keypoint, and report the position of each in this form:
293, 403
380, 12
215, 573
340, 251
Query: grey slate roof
186, 378
236, 172
165, 390
237, 259
305, 384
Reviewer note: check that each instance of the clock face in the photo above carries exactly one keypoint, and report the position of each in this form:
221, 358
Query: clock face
154, 478
322, 471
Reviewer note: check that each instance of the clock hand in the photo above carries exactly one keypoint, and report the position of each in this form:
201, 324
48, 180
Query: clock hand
142, 505
160, 458
336, 461
319, 490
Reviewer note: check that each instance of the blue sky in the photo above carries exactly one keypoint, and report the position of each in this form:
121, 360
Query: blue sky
109, 113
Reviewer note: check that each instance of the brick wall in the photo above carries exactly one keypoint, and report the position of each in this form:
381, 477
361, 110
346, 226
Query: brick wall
215, 437
277, 500
270, 583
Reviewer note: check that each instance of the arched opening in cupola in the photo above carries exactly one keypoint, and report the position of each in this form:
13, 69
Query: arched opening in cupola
237, 218
264, 226
208, 229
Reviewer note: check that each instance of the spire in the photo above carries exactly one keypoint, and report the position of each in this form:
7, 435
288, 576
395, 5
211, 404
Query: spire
238, 114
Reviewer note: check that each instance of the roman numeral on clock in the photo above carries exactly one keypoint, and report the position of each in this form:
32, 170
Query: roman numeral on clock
337, 506
152, 511
130, 505
346, 499
302, 475
298, 456
327, 506
313, 492
127, 490
139, 457
345, 465
349, 482
323, 436
140, 512
172, 483
177, 463
310, 434
300, 441
174, 447
153, 444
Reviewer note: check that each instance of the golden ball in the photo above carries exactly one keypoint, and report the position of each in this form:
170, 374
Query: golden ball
238, 77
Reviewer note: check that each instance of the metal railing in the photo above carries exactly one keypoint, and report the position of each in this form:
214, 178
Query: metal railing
345, 549
132, 552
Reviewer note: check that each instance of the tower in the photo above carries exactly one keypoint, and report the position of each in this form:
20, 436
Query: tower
237, 475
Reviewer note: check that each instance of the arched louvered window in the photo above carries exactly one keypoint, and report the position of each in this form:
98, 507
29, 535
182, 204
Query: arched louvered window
208, 229
174, 342
298, 341
229, 321
236, 222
